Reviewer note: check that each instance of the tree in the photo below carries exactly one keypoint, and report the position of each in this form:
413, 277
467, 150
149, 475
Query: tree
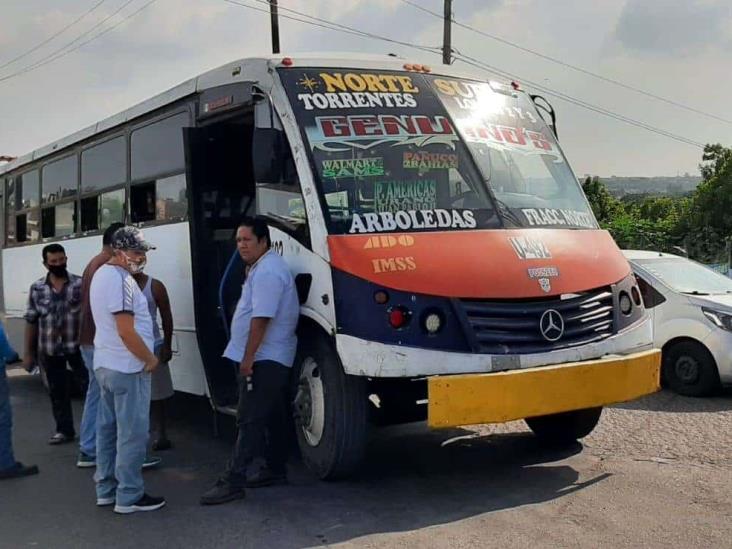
604, 205
713, 160
707, 221
712, 203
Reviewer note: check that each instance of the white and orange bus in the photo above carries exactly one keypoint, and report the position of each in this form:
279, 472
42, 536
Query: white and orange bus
448, 264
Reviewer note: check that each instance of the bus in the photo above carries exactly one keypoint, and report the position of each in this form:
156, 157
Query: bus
448, 264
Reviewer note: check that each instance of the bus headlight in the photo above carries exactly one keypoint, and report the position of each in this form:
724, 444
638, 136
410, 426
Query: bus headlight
432, 322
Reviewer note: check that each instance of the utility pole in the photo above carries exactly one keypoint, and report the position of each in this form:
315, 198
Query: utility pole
446, 35
275, 26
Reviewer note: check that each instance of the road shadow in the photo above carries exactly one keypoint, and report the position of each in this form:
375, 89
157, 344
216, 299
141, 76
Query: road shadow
412, 478
668, 401
415, 478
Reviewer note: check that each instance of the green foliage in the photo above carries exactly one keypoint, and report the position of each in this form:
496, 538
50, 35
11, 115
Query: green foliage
604, 205
701, 223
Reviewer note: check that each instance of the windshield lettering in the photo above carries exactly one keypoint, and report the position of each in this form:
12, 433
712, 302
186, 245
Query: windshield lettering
397, 152
359, 82
550, 216
370, 125
392, 196
353, 167
411, 220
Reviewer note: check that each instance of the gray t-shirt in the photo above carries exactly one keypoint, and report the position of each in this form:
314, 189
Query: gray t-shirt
268, 292
113, 291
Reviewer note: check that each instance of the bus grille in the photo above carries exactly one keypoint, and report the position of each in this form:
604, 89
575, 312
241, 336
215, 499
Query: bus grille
508, 327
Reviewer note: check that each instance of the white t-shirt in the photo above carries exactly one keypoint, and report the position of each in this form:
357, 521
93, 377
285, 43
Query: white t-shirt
113, 291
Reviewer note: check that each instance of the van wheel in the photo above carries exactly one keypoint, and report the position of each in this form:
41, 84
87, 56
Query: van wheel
566, 427
690, 370
330, 411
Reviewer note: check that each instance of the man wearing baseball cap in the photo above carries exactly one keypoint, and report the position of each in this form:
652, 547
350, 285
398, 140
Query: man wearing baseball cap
123, 360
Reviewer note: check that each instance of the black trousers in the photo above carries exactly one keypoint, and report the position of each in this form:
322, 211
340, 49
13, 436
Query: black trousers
60, 389
261, 420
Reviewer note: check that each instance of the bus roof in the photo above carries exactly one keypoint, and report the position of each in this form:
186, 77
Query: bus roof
236, 71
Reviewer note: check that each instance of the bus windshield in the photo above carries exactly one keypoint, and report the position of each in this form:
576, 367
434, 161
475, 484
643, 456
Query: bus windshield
408, 152
517, 154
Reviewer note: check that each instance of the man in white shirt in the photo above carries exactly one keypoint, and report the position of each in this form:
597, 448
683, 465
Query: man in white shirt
263, 345
123, 360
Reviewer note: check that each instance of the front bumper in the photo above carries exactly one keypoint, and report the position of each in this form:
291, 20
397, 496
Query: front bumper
506, 396
719, 343
361, 357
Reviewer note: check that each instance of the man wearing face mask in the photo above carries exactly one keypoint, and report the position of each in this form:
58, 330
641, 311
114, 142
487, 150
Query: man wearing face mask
52, 335
123, 360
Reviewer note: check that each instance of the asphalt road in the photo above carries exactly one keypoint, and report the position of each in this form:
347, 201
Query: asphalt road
656, 473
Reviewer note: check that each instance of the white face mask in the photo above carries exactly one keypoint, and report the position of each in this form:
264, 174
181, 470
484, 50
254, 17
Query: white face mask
132, 266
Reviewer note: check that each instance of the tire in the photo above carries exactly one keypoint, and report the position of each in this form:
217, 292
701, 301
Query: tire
689, 369
330, 410
565, 428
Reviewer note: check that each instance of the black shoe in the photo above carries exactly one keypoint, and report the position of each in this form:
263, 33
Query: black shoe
222, 492
264, 476
162, 444
19, 470
145, 503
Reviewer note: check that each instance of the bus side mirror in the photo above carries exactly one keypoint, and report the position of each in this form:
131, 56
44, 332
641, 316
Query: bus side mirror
268, 155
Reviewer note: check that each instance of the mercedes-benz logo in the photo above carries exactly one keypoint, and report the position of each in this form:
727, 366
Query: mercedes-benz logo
551, 325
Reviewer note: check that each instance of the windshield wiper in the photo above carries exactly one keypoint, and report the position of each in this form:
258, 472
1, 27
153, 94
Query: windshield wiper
508, 212
695, 292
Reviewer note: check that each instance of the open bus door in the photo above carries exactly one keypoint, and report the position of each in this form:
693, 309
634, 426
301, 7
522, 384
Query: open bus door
222, 191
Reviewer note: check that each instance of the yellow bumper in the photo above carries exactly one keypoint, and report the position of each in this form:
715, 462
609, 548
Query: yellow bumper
517, 394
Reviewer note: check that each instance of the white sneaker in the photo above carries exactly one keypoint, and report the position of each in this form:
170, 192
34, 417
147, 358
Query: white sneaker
103, 502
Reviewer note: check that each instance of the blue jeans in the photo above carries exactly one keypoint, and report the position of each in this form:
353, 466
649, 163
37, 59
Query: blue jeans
7, 460
88, 437
123, 423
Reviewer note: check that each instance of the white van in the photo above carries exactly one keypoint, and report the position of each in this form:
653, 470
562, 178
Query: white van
691, 307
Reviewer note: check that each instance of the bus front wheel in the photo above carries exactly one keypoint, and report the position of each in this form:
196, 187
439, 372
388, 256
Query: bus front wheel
565, 428
330, 409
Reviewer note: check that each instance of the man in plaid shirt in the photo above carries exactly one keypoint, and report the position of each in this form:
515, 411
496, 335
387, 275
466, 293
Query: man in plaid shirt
52, 335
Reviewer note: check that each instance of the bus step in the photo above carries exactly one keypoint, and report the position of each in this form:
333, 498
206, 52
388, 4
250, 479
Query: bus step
228, 410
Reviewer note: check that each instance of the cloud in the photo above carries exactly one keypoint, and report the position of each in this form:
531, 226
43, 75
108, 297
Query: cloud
173, 41
674, 27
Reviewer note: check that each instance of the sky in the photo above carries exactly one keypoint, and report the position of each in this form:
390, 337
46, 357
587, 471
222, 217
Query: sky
675, 49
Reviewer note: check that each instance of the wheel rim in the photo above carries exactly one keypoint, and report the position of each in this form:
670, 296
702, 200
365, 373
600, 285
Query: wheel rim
310, 402
687, 369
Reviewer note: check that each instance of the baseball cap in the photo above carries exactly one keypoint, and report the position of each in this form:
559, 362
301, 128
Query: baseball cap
130, 238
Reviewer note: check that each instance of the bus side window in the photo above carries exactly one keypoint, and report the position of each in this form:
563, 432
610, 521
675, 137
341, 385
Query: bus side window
103, 172
100, 211
21, 208
160, 200
58, 221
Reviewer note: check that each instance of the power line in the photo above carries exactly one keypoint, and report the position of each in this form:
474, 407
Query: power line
59, 53
477, 63
571, 66
329, 25
54, 35
578, 102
